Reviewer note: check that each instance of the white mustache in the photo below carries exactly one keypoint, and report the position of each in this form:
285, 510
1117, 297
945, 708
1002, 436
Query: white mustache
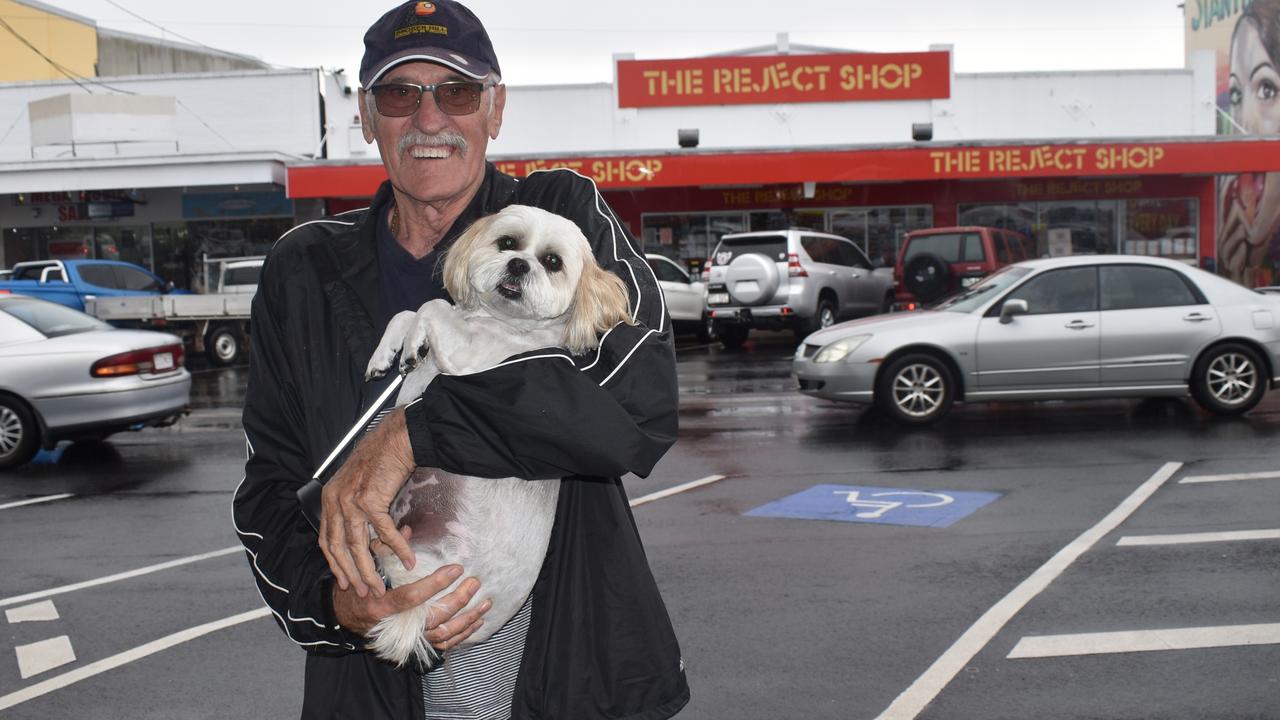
446, 138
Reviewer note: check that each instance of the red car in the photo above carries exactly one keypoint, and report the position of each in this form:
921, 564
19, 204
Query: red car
939, 262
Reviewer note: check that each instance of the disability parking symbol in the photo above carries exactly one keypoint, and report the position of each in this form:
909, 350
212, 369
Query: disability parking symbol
888, 506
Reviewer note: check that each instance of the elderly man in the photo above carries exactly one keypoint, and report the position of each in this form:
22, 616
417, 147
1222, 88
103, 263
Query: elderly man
594, 639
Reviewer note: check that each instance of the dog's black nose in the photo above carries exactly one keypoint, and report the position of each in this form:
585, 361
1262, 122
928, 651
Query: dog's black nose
517, 266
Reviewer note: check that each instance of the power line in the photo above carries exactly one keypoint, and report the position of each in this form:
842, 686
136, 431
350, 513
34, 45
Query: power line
158, 27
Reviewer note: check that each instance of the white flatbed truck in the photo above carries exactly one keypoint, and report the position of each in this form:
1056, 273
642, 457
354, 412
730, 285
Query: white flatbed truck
216, 324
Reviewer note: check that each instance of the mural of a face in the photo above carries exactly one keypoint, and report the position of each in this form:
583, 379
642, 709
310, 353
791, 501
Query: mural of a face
1250, 207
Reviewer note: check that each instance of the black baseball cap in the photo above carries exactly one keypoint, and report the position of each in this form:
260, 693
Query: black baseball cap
442, 32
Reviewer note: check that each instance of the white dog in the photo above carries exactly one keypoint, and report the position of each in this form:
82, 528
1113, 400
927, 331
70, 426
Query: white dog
522, 279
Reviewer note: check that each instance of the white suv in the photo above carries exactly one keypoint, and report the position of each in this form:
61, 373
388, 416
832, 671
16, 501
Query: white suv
798, 279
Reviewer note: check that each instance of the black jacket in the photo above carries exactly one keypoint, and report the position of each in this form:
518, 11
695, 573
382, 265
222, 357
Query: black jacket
600, 644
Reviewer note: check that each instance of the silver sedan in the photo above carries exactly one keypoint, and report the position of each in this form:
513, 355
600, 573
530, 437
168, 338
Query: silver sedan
66, 375
1063, 328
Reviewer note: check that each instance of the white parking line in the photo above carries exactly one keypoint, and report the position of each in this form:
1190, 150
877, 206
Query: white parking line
33, 501
45, 655
1146, 640
677, 489
36, 612
19, 599
74, 676
1188, 538
944, 669
1228, 478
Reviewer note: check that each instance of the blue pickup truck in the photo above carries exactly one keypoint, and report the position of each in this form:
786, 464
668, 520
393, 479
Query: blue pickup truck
71, 282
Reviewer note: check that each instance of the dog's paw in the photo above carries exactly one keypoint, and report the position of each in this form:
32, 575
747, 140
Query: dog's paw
384, 356
411, 357
380, 363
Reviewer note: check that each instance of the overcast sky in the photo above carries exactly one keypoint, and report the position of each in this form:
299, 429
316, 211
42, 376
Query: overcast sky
571, 41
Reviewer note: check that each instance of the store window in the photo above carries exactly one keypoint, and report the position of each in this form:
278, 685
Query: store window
851, 224
208, 240
879, 231
1160, 227
810, 220
128, 243
886, 227
1165, 228
1019, 217
1089, 226
688, 238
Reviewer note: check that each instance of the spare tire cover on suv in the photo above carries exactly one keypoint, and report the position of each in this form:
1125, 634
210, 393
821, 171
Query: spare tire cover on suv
751, 279
927, 276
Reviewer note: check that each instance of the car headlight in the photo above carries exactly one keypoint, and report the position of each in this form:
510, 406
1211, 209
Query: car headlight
840, 349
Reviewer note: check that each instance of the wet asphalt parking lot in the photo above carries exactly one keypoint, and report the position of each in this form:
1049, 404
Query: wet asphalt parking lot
1105, 559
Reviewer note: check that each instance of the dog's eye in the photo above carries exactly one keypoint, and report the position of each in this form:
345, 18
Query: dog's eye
552, 263
506, 242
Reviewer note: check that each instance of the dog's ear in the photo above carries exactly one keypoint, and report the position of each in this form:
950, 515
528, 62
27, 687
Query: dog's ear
600, 303
458, 259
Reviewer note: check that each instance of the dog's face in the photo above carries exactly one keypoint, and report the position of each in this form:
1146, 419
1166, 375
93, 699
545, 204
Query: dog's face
526, 263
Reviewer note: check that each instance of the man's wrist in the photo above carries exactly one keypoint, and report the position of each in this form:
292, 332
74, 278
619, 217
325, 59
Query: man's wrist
399, 449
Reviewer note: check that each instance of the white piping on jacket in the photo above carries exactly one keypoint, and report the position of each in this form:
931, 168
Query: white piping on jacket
284, 624
615, 229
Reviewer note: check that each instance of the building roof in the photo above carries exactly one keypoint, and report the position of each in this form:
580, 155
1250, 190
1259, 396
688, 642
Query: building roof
42, 7
176, 45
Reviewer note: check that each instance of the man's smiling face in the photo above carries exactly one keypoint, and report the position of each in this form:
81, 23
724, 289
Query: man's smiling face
430, 156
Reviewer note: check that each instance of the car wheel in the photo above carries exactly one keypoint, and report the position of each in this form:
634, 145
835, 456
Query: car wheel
825, 316
916, 389
733, 337
927, 276
1228, 380
222, 346
19, 434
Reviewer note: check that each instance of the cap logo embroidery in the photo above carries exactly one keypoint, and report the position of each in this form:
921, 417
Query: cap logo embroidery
409, 30
424, 8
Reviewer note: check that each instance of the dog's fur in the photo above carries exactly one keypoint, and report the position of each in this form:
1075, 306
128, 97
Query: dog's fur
512, 297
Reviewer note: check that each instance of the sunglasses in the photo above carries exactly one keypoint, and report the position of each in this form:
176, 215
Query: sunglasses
456, 97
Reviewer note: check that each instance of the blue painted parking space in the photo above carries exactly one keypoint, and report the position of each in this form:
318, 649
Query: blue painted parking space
888, 506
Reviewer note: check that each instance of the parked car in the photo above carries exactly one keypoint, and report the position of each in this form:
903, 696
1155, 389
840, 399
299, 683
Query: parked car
935, 263
65, 376
685, 295
1102, 326
240, 276
791, 279
71, 282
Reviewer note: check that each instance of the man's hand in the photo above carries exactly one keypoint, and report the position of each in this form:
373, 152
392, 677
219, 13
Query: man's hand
358, 496
445, 626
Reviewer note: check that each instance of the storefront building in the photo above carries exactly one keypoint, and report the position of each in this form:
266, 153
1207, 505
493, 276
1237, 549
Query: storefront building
821, 139
1143, 198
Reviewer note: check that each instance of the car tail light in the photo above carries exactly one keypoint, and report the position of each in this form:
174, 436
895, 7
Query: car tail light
793, 266
136, 362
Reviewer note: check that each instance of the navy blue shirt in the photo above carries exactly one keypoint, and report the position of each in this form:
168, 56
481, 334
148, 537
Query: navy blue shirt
405, 282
